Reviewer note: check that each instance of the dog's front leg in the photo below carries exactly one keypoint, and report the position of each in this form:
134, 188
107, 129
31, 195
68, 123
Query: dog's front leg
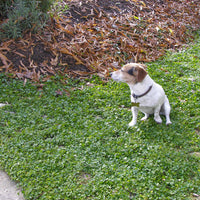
135, 114
157, 117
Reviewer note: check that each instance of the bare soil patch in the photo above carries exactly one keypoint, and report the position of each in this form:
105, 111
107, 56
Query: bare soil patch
97, 36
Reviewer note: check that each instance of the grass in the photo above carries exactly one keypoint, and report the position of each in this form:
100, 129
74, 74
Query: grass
72, 141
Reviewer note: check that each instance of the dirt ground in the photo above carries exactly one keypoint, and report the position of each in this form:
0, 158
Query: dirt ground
98, 36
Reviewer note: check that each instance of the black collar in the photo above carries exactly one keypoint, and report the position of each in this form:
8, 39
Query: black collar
138, 96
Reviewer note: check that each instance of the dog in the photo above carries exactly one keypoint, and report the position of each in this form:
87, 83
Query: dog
146, 95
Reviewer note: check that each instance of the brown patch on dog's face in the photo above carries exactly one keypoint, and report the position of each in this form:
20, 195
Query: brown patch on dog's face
130, 73
141, 73
134, 72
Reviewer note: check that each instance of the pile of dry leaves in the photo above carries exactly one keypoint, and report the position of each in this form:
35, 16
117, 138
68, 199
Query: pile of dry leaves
97, 36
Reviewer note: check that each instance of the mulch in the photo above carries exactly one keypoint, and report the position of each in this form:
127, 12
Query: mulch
98, 36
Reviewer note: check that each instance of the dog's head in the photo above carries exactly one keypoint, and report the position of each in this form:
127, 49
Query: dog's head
130, 73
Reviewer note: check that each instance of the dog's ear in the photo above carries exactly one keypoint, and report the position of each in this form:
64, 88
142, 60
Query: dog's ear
144, 66
141, 74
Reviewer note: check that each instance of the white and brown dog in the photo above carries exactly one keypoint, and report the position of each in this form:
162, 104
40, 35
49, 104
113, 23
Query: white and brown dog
146, 95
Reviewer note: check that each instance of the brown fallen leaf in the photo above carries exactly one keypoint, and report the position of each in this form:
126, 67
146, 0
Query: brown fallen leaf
4, 60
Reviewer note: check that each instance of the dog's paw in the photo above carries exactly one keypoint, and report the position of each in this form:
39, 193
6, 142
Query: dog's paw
158, 120
132, 123
145, 117
168, 123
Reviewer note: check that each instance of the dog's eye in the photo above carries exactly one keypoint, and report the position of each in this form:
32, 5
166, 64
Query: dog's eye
130, 71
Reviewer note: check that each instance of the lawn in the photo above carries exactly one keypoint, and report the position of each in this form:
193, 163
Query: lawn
69, 139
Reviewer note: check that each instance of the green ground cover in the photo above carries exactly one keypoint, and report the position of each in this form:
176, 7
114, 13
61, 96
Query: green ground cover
72, 141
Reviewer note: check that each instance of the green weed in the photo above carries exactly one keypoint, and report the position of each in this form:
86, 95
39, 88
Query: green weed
72, 141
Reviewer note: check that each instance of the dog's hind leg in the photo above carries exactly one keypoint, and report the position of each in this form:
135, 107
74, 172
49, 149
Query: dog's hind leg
167, 109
